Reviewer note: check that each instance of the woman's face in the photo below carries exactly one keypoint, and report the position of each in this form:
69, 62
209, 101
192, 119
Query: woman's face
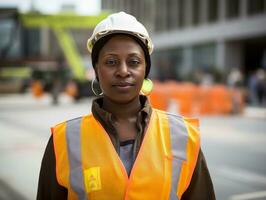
121, 69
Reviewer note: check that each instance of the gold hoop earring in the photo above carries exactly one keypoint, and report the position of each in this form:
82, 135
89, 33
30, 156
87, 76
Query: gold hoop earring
147, 87
92, 88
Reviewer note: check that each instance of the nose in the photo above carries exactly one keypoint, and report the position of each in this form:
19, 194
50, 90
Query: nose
123, 70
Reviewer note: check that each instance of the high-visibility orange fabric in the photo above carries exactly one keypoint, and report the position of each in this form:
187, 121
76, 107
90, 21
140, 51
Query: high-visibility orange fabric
193, 147
150, 176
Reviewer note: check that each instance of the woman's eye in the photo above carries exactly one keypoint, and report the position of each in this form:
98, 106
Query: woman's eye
134, 62
111, 62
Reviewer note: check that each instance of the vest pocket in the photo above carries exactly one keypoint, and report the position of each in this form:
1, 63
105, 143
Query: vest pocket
92, 179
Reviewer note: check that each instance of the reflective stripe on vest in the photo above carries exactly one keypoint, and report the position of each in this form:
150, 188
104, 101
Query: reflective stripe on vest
179, 137
74, 153
172, 131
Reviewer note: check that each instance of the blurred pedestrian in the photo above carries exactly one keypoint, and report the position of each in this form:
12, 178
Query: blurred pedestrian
235, 78
235, 84
261, 87
253, 89
125, 149
57, 80
257, 88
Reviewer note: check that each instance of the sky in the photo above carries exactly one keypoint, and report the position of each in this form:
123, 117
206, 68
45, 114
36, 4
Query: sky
83, 7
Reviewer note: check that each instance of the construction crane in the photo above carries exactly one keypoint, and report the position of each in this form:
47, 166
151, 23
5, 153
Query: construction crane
61, 25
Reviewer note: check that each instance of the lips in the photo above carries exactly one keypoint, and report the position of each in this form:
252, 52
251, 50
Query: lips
123, 84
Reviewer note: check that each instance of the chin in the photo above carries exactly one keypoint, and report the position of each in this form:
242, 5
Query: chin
124, 99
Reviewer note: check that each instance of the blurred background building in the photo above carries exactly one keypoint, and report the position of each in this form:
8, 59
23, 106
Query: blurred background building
212, 36
204, 42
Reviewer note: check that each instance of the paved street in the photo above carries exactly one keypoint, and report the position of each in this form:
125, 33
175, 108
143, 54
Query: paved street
235, 151
234, 146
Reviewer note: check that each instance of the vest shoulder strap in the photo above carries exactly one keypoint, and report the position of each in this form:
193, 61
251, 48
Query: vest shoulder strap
66, 138
185, 144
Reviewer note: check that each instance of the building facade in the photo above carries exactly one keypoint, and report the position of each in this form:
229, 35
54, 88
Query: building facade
206, 36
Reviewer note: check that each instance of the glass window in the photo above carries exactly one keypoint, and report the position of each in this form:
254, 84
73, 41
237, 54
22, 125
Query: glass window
256, 6
159, 17
181, 17
203, 56
167, 64
9, 43
204, 69
213, 10
196, 12
232, 8
172, 14
31, 42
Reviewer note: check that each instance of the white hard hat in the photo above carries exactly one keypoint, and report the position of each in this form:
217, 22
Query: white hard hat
120, 23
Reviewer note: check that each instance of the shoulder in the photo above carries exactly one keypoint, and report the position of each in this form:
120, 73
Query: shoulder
190, 121
71, 122
165, 113
176, 121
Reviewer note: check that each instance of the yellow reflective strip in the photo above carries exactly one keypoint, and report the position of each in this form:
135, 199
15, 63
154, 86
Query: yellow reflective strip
75, 162
179, 138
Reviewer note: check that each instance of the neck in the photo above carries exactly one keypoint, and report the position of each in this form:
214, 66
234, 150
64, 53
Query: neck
122, 111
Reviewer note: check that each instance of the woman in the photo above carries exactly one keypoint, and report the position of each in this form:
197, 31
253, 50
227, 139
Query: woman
125, 149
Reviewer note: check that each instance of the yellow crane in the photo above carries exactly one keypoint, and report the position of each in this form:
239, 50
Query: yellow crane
60, 24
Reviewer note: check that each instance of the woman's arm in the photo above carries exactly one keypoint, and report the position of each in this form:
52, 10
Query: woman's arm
48, 187
201, 186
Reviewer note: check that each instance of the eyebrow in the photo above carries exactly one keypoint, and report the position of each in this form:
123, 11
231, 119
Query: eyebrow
115, 54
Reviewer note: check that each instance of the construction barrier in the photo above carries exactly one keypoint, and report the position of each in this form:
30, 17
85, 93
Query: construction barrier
37, 88
71, 89
189, 99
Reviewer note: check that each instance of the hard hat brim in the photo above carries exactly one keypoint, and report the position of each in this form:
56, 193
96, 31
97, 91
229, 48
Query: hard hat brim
92, 40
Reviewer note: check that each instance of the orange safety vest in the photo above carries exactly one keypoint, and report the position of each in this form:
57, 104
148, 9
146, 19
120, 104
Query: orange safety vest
88, 165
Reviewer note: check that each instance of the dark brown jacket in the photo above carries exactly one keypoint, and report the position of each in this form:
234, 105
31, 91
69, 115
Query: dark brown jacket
200, 188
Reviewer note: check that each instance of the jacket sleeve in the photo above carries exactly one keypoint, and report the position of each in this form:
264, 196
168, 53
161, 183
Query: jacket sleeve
201, 186
48, 187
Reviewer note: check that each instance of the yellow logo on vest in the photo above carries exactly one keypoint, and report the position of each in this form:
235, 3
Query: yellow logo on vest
92, 179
